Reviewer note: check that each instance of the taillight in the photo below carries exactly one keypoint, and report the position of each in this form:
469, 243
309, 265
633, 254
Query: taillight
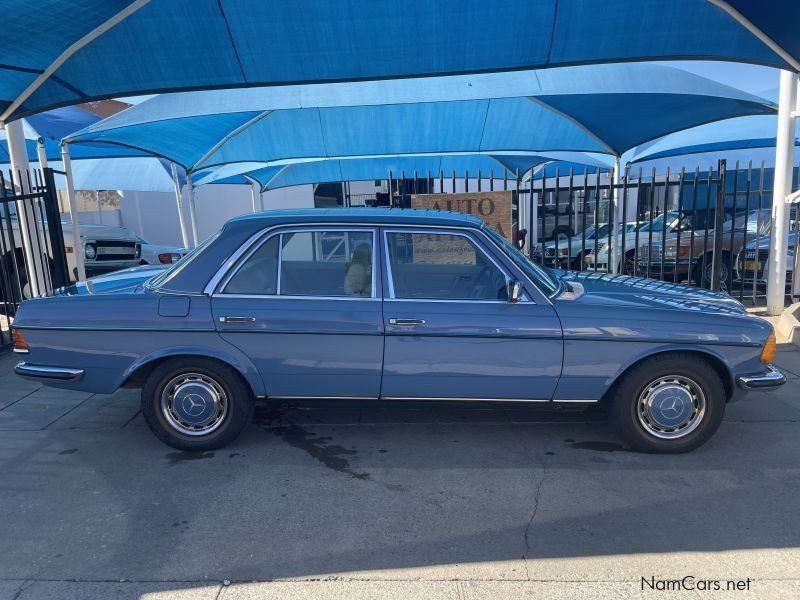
20, 345
769, 349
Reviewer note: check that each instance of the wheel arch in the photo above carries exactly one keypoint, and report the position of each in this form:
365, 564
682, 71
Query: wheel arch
139, 370
714, 359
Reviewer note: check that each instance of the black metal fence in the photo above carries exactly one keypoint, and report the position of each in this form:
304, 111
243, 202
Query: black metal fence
706, 227
709, 228
34, 203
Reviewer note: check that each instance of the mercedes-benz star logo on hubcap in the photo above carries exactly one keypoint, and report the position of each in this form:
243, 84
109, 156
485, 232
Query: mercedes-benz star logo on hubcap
193, 404
671, 407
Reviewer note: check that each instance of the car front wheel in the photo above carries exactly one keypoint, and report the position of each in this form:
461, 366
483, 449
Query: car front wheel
196, 404
668, 404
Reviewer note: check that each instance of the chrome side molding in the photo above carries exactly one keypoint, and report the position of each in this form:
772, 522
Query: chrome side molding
44, 372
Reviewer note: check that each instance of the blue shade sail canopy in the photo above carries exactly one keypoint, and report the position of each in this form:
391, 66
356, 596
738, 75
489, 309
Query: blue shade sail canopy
601, 109
365, 169
140, 174
89, 49
51, 126
741, 133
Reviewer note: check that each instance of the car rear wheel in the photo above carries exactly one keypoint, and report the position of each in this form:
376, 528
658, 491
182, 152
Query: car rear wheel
196, 404
668, 404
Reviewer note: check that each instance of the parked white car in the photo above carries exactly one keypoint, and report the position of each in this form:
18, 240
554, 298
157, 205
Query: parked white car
600, 260
105, 248
156, 254
568, 254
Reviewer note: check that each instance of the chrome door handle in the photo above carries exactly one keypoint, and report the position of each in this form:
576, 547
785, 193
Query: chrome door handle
237, 319
406, 321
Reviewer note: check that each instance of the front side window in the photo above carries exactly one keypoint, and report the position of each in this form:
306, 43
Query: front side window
309, 263
439, 266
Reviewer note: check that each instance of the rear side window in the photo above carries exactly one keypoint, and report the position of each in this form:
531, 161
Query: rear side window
324, 263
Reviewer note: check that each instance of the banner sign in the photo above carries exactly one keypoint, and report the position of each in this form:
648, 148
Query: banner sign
493, 207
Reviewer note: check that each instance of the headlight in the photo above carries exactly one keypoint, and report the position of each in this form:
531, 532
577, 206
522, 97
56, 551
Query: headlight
90, 251
675, 251
138, 252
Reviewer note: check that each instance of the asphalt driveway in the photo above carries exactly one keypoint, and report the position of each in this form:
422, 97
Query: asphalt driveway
365, 502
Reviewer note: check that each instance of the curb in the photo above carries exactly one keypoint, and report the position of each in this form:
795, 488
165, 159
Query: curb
789, 326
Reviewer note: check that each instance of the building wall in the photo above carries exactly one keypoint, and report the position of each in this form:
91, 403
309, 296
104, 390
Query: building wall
154, 215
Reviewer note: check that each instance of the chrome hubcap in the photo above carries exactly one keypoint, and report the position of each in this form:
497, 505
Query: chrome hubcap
194, 404
671, 407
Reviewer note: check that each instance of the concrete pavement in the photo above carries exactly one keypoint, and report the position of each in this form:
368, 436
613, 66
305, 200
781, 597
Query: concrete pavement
362, 502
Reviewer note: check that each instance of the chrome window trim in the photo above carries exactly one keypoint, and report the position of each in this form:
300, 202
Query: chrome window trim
290, 297
443, 230
222, 271
239, 258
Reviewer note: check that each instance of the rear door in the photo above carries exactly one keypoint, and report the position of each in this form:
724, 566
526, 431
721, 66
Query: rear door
450, 330
304, 305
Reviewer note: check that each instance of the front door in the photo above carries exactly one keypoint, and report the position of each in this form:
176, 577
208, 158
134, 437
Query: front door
450, 330
304, 306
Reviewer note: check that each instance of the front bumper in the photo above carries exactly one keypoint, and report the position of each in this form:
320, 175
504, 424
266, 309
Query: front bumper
764, 382
45, 372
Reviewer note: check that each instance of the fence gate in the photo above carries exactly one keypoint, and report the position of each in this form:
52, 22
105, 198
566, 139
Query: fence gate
35, 202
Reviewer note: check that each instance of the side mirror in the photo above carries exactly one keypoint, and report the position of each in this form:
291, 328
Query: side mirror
514, 290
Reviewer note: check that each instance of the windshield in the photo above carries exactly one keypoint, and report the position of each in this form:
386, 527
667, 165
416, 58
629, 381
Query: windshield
658, 222
541, 276
756, 222
167, 274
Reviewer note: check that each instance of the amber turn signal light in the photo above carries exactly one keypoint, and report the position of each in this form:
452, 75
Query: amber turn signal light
769, 349
20, 345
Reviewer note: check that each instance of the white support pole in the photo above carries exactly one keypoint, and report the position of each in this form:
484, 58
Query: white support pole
782, 187
615, 208
192, 210
41, 153
26, 215
253, 197
179, 200
77, 244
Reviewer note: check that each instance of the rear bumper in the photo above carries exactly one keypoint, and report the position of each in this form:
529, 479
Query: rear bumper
45, 372
769, 380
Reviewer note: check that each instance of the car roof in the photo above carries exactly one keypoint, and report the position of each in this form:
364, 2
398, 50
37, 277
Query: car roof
381, 216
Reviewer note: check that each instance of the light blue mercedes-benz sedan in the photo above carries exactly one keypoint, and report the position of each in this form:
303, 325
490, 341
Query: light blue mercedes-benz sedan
387, 304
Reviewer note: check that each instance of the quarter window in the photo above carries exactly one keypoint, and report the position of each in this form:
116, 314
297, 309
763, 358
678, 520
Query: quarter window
440, 266
309, 263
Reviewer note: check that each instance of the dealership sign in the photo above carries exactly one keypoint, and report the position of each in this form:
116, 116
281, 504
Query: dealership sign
493, 207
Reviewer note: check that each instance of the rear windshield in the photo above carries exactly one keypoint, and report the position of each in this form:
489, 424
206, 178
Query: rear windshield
167, 274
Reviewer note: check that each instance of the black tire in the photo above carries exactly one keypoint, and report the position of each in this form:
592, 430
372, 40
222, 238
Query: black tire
228, 423
631, 421
629, 263
702, 277
577, 262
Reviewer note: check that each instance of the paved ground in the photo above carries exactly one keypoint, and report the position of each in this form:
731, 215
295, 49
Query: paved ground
366, 503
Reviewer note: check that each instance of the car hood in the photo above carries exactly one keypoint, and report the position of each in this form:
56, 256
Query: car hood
93, 231
119, 282
764, 240
638, 292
